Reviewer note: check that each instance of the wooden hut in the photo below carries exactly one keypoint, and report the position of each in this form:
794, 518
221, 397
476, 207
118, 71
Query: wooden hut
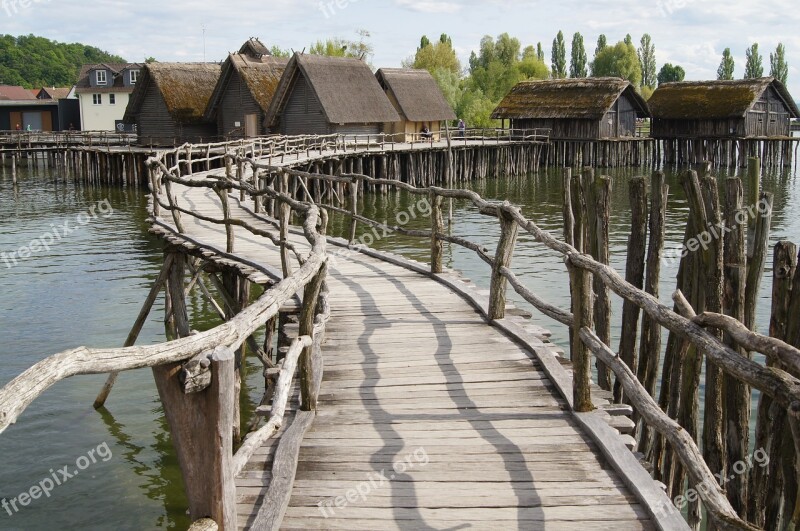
575, 109
417, 98
243, 94
253, 47
324, 95
169, 102
746, 108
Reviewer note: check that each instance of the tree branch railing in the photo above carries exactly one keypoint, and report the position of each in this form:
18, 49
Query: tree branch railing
781, 386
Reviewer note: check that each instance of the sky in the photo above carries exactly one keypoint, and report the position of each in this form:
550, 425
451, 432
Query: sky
691, 33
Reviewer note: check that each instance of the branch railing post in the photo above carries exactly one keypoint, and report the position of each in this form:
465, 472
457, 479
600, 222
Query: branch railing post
310, 368
437, 228
353, 209
505, 251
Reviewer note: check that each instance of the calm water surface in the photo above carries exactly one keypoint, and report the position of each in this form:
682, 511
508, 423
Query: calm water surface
88, 288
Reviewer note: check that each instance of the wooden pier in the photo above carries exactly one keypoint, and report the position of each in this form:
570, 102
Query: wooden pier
419, 400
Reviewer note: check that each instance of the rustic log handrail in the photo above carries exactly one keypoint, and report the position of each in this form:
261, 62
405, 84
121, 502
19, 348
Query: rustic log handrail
779, 385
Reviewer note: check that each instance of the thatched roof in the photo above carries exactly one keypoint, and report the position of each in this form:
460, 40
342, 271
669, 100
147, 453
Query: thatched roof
185, 87
345, 87
709, 100
254, 48
585, 98
260, 75
418, 95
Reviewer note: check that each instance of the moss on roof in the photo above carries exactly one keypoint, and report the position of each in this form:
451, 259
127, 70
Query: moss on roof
708, 100
585, 98
185, 87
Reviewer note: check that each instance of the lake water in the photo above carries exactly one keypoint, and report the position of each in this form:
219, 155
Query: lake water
87, 290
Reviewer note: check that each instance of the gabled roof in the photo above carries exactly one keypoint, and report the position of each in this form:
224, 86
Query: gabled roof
117, 82
704, 100
584, 98
345, 87
260, 75
15, 93
418, 95
53, 93
254, 48
185, 88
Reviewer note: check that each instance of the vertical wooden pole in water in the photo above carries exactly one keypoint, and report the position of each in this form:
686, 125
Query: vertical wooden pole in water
310, 362
634, 274
437, 227
353, 210
736, 411
200, 423
650, 346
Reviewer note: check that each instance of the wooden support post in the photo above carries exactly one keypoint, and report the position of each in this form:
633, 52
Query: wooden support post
437, 227
353, 209
569, 218
200, 424
222, 193
581, 292
650, 346
736, 409
284, 213
757, 248
310, 359
601, 192
505, 251
634, 274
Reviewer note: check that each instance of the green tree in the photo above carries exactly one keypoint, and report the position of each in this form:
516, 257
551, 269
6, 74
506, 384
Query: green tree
628, 39
619, 60
36, 62
277, 51
726, 66
778, 67
754, 67
602, 42
670, 72
558, 57
149, 60
539, 52
577, 63
647, 60
435, 56
338, 47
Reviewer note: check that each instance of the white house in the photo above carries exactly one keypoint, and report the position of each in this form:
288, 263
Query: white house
103, 91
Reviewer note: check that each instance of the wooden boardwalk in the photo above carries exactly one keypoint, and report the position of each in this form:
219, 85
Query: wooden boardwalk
428, 418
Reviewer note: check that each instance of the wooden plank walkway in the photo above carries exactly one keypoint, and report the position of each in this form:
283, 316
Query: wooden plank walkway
428, 417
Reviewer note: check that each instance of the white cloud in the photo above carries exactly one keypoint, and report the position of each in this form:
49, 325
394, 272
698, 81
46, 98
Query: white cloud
429, 6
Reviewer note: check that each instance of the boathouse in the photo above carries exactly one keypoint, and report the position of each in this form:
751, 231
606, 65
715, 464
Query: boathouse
244, 92
325, 95
575, 109
418, 99
742, 108
169, 103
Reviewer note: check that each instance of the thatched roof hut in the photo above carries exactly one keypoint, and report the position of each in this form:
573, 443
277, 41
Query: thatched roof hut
169, 102
417, 98
254, 48
575, 109
706, 109
322, 95
243, 94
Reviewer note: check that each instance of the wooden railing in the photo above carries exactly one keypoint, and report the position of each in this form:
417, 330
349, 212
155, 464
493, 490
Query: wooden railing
67, 138
201, 410
589, 278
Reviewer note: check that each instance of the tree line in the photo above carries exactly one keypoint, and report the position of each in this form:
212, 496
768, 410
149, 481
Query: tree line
501, 63
35, 62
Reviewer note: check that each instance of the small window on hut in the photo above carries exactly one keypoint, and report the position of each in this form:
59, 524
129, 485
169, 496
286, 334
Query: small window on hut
101, 77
